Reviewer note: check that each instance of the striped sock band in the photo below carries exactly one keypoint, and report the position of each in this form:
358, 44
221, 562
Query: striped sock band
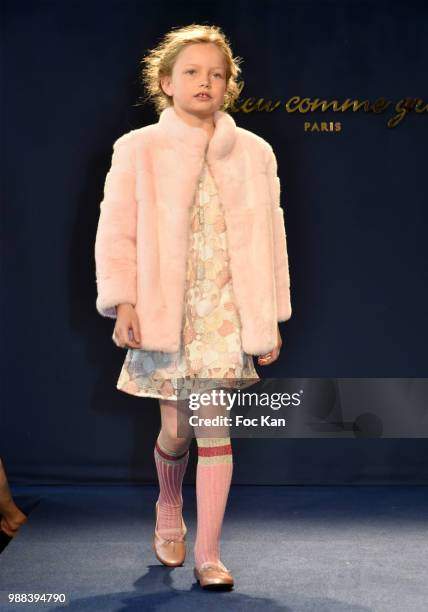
214, 450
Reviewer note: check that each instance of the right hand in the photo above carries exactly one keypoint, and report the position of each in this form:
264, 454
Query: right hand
127, 329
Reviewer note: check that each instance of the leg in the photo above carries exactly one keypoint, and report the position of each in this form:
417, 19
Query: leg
171, 455
213, 480
168, 436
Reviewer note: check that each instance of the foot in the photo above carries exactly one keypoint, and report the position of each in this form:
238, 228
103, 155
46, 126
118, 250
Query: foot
170, 551
11, 521
213, 575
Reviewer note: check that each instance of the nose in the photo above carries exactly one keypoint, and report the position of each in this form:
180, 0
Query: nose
205, 80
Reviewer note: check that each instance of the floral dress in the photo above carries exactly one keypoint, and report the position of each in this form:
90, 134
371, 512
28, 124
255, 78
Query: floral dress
211, 339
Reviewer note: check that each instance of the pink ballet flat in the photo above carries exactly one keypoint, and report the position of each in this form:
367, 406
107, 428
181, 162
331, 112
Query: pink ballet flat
212, 575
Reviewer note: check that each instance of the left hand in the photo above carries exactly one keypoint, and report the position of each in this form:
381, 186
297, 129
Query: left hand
269, 358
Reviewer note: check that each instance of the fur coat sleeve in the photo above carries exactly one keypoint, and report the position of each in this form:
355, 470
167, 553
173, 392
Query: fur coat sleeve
281, 267
115, 244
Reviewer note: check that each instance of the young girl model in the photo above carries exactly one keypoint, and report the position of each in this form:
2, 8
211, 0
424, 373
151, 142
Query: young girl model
192, 262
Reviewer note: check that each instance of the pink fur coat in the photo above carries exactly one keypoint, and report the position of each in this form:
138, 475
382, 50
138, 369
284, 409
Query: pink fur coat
141, 242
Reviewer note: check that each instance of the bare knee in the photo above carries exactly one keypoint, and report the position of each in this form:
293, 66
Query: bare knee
169, 432
169, 440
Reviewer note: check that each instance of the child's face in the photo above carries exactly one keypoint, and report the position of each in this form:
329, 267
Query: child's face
199, 67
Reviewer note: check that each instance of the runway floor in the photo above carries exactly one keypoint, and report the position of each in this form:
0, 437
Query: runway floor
290, 548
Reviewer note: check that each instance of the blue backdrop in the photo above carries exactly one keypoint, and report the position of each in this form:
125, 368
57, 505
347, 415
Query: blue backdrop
355, 210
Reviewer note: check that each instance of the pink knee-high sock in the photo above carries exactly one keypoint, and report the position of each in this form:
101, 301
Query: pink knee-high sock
170, 467
213, 479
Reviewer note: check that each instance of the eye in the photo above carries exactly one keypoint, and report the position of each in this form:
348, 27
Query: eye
190, 70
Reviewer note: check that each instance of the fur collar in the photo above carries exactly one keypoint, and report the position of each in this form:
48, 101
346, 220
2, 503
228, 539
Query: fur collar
195, 139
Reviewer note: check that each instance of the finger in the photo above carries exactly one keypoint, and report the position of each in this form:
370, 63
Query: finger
269, 357
136, 330
121, 342
132, 339
131, 342
115, 338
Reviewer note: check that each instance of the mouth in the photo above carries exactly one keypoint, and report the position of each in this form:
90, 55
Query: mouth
203, 96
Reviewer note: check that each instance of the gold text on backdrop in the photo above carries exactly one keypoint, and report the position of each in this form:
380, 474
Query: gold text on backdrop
303, 105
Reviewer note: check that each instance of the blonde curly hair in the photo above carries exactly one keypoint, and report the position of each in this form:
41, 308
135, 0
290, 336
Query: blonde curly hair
159, 62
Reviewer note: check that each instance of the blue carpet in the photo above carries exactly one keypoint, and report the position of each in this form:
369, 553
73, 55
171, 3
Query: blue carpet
290, 548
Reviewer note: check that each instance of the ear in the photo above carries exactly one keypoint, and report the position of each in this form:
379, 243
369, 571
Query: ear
166, 85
